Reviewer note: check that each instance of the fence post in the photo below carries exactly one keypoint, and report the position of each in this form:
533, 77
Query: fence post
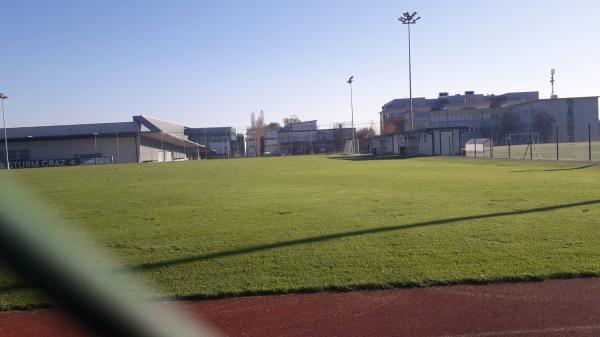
557, 158
492, 148
589, 142
530, 145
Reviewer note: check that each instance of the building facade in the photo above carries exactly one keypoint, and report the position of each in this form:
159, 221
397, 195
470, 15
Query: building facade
471, 116
297, 139
223, 140
144, 139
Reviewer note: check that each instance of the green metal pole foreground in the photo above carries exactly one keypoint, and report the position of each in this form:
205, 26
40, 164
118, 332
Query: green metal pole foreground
43, 251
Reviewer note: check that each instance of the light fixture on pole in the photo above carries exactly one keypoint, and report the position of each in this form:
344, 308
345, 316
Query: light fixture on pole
350, 80
2, 98
409, 19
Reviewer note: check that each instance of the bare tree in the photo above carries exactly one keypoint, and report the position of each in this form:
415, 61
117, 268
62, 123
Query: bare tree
259, 133
542, 123
364, 136
393, 125
339, 138
275, 126
291, 120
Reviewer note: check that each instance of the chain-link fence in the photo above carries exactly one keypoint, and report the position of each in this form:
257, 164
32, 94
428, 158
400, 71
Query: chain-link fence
530, 146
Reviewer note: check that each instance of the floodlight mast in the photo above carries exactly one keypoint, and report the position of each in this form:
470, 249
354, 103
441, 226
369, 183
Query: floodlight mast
350, 80
2, 98
409, 19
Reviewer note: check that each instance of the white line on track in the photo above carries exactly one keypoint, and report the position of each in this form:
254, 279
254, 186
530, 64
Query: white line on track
530, 331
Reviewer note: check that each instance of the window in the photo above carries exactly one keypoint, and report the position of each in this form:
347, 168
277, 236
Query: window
467, 99
24, 154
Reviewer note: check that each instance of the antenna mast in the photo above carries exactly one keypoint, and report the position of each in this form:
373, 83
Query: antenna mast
552, 82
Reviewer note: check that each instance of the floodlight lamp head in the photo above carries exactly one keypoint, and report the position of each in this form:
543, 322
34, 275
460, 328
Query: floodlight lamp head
3, 96
552, 71
350, 80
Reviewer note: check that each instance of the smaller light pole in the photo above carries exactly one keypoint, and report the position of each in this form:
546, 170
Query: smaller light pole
95, 148
2, 98
350, 80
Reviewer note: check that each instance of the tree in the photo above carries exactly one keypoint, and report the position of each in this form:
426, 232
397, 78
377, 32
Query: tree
364, 136
291, 120
275, 126
339, 138
393, 125
258, 127
542, 123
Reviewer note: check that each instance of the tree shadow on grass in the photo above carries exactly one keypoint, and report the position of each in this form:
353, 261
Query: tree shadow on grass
557, 169
329, 237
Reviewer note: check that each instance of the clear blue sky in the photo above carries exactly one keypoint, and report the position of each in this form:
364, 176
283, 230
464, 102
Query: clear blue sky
211, 63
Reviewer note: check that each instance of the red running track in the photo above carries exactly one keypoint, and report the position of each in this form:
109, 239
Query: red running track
553, 308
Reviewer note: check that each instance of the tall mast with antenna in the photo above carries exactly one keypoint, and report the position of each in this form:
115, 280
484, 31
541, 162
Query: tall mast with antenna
552, 82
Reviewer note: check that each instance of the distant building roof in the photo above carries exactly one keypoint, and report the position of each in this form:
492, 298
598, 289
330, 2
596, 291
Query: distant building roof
468, 100
55, 131
139, 124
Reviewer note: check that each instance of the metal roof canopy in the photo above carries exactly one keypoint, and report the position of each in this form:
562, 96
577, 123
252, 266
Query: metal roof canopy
430, 130
172, 139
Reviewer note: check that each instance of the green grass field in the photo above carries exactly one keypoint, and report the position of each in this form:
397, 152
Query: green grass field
276, 225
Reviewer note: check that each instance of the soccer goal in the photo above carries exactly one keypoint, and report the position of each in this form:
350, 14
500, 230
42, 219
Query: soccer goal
479, 148
351, 147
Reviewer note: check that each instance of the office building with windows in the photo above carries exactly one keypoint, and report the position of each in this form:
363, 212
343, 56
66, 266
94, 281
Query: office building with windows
445, 123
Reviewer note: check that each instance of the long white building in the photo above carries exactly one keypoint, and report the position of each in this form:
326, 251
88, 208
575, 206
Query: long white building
144, 139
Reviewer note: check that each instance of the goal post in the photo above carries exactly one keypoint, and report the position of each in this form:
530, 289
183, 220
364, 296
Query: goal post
351, 147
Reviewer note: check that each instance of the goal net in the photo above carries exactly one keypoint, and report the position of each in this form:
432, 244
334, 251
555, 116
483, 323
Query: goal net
351, 147
478, 147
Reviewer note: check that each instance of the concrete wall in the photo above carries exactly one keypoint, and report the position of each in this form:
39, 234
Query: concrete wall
106, 147
153, 151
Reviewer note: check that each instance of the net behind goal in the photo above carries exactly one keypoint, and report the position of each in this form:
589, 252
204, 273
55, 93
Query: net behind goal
351, 147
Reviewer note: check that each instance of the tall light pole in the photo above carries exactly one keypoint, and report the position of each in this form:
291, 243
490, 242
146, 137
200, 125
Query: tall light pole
95, 148
2, 98
350, 80
409, 19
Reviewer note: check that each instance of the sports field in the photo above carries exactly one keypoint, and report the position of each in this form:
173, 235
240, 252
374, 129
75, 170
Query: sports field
274, 225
